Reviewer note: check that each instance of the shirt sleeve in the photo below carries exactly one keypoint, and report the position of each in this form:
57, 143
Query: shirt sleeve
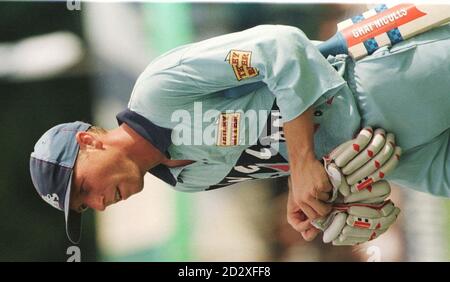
280, 56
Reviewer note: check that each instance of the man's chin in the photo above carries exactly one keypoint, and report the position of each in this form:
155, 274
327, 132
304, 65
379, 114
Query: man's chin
137, 189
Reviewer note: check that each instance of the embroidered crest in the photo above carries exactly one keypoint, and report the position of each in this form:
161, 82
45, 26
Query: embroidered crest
52, 199
240, 61
228, 129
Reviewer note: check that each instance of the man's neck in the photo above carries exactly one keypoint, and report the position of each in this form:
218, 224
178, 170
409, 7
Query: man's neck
138, 149
141, 151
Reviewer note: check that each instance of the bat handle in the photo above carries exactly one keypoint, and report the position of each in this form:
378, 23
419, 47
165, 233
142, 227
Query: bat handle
333, 46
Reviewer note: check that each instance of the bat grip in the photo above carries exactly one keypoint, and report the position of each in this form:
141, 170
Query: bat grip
333, 46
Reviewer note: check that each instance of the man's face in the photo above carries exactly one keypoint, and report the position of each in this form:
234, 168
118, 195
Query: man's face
103, 175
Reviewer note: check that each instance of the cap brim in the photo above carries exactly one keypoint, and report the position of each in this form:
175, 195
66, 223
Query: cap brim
73, 218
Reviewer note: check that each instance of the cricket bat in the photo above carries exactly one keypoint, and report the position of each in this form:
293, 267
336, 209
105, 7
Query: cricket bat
384, 25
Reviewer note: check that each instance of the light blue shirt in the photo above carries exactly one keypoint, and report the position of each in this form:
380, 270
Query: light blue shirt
278, 64
214, 86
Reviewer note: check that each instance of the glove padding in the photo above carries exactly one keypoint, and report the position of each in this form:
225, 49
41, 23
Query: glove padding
356, 170
351, 224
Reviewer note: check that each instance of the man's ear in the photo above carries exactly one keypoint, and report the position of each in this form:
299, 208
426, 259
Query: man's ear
88, 140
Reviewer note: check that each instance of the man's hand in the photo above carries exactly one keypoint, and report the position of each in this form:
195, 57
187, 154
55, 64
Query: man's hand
309, 182
298, 219
310, 188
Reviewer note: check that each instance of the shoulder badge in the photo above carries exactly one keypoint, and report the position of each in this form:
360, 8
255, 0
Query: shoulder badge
240, 61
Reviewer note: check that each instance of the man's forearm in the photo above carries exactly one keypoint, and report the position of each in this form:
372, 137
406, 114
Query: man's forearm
299, 134
309, 181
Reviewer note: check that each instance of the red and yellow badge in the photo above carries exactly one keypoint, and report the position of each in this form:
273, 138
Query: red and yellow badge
228, 129
240, 61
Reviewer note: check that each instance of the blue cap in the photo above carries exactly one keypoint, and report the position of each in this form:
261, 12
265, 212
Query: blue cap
51, 168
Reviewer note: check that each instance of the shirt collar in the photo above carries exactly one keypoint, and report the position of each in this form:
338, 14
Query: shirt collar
159, 137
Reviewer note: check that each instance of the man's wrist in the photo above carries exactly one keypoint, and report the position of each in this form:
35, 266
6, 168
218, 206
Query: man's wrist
301, 158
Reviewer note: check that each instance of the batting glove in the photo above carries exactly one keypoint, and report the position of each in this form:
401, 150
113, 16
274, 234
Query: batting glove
356, 170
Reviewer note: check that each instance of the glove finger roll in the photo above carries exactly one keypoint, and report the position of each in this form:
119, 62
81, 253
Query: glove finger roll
323, 222
348, 241
373, 223
370, 210
377, 193
378, 161
388, 167
338, 150
375, 200
355, 232
375, 145
356, 146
